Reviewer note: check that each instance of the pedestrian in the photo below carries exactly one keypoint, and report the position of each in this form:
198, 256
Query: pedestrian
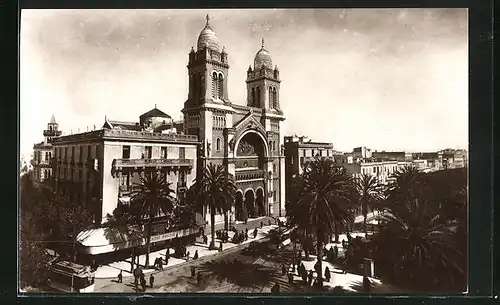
261, 224
246, 233
366, 284
143, 283
220, 247
335, 252
276, 288
205, 239
195, 254
187, 256
151, 280
310, 278
166, 261
120, 277
255, 233
160, 264
327, 274
155, 264
167, 254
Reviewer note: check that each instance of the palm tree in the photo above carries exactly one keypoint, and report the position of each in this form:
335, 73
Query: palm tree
214, 190
414, 246
153, 197
369, 195
125, 221
408, 182
325, 200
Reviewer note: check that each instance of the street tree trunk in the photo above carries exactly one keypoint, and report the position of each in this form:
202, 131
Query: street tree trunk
148, 241
226, 222
132, 261
319, 250
212, 228
336, 232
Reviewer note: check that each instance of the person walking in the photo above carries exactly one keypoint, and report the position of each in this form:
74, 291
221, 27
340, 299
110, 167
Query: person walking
220, 247
143, 283
366, 284
120, 277
335, 252
195, 254
261, 224
327, 274
167, 254
246, 233
160, 264
255, 233
187, 256
151, 280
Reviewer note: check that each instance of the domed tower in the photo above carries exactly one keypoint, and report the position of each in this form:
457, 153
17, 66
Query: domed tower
208, 70
263, 82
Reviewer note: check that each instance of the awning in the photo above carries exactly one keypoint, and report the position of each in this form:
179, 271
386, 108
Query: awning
107, 239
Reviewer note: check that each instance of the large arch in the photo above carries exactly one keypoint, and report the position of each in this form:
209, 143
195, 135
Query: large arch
260, 135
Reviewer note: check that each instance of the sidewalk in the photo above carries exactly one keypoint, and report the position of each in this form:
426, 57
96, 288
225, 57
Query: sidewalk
111, 271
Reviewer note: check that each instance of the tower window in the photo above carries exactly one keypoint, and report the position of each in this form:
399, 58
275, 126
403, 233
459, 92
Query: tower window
271, 102
257, 92
252, 101
275, 99
50, 128
217, 144
220, 86
215, 90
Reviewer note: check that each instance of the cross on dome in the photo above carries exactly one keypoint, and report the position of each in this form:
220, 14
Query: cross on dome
263, 42
208, 19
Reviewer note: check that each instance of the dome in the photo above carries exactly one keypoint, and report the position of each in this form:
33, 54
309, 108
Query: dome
208, 38
263, 58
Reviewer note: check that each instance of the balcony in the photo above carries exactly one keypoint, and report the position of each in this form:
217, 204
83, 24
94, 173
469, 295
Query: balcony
250, 175
142, 164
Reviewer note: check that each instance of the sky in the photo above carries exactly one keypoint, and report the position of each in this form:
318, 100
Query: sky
388, 79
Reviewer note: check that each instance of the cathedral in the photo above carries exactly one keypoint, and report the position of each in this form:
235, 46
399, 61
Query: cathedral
244, 138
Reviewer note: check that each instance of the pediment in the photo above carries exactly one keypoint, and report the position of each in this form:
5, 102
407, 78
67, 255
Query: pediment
249, 121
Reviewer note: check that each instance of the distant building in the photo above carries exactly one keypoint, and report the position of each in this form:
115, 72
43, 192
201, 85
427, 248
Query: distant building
452, 158
382, 170
362, 152
298, 151
43, 152
400, 156
99, 168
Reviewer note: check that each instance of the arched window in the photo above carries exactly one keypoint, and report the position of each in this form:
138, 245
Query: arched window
214, 85
50, 127
217, 144
271, 102
275, 98
220, 86
257, 92
252, 101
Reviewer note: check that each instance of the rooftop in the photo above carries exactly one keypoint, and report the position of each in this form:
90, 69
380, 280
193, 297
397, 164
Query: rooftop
129, 135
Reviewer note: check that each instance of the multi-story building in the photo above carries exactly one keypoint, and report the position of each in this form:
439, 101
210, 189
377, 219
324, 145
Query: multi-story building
452, 158
43, 153
362, 152
244, 138
298, 151
100, 168
382, 170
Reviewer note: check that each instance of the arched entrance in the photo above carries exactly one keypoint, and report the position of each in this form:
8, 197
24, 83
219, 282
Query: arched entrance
259, 203
250, 203
238, 206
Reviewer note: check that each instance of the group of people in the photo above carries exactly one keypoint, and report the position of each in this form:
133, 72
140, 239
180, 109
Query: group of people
142, 280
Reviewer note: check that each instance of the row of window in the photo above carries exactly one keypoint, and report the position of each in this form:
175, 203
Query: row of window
219, 121
74, 149
272, 145
379, 169
317, 153
148, 152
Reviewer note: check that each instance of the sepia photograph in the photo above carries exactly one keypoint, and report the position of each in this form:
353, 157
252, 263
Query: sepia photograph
243, 151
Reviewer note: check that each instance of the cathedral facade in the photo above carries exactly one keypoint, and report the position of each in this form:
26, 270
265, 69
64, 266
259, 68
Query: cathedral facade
246, 139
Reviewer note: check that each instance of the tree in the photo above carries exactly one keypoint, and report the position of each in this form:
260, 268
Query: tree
214, 190
414, 246
369, 195
408, 182
153, 197
125, 221
325, 199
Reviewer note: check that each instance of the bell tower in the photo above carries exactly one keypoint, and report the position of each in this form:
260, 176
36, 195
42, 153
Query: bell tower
207, 70
263, 82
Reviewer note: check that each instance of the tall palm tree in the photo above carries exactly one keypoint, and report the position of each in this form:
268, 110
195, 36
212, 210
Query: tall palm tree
214, 190
408, 182
325, 199
369, 195
125, 221
153, 197
415, 246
